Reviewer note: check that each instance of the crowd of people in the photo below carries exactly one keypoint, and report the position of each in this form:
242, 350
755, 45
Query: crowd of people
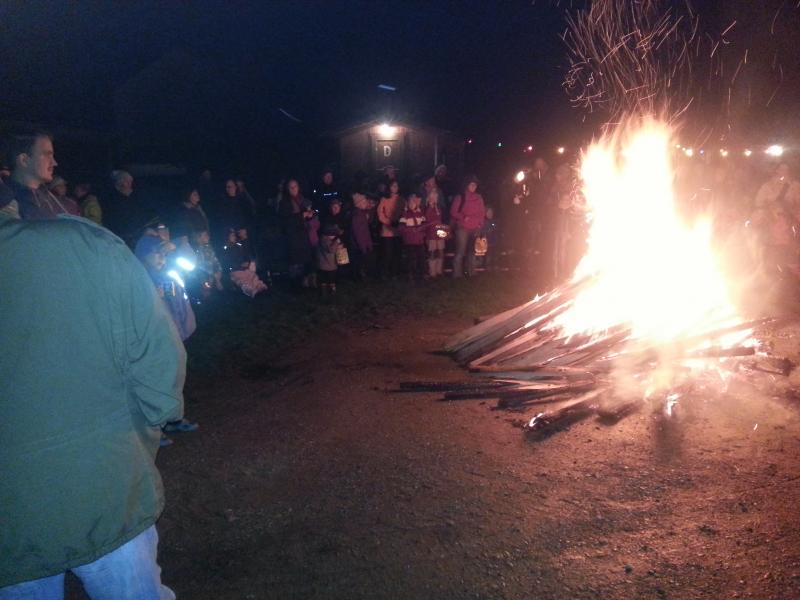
370, 229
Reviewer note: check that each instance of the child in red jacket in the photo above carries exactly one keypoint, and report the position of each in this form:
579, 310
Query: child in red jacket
412, 230
435, 234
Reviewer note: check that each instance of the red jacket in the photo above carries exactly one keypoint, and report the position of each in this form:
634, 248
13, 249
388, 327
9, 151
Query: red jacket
433, 217
469, 213
412, 227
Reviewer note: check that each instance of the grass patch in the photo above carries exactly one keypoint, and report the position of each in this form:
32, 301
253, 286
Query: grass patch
236, 335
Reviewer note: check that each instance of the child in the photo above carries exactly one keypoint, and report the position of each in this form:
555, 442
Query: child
412, 231
238, 263
361, 243
151, 250
209, 271
327, 266
435, 234
489, 233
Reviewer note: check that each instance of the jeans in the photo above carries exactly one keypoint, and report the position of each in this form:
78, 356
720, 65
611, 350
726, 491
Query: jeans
129, 572
465, 246
390, 256
415, 260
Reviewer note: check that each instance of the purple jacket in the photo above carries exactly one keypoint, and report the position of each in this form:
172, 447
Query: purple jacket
470, 213
360, 235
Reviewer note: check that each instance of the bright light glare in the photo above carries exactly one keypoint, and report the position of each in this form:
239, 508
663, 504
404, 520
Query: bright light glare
643, 256
689, 152
184, 263
561, 150
519, 177
748, 152
386, 130
178, 279
723, 153
775, 150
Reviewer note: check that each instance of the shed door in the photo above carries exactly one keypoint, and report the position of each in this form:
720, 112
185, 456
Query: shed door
387, 152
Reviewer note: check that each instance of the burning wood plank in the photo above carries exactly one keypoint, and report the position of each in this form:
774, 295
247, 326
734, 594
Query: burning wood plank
566, 415
540, 390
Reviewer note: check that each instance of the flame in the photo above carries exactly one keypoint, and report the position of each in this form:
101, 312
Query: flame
651, 271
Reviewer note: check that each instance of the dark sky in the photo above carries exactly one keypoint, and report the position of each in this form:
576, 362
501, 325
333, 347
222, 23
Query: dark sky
492, 70
464, 65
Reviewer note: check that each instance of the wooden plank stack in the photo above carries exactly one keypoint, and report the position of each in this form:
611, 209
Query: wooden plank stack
522, 358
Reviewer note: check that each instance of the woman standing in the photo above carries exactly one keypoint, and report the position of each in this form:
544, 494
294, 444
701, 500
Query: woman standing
467, 214
361, 236
298, 221
390, 209
230, 215
190, 218
435, 234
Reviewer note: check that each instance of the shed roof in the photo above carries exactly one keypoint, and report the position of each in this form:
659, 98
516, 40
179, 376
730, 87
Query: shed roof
375, 122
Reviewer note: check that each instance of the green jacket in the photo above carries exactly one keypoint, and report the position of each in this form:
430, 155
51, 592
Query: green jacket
90, 366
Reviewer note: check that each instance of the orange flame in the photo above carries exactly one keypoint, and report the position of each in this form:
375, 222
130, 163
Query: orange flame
651, 271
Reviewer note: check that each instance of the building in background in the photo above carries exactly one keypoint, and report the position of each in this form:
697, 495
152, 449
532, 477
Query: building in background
414, 150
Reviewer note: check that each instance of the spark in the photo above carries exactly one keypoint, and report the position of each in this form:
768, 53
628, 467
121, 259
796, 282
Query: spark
287, 114
775, 18
731, 26
625, 57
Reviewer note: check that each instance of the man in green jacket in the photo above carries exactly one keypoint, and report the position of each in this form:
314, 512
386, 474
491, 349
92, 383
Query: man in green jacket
90, 367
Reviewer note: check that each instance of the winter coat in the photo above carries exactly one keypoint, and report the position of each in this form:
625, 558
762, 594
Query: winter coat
389, 212
232, 213
79, 436
291, 211
360, 234
326, 253
433, 217
90, 209
468, 213
189, 220
412, 227
36, 204
175, 299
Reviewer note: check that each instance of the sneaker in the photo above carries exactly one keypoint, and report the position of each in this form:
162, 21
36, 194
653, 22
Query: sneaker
165, 441
182, 426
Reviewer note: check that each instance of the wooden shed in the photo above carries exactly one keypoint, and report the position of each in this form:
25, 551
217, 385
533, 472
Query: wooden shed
414, 150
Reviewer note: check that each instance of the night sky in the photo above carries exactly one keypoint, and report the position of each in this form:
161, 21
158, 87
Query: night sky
490, 70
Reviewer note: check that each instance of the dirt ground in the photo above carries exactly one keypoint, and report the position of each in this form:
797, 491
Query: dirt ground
309, 480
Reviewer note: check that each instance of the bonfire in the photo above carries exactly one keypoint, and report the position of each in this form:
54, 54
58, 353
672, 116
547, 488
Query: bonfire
647, 315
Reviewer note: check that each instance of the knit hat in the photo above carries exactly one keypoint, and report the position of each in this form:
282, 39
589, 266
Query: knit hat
147, 244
